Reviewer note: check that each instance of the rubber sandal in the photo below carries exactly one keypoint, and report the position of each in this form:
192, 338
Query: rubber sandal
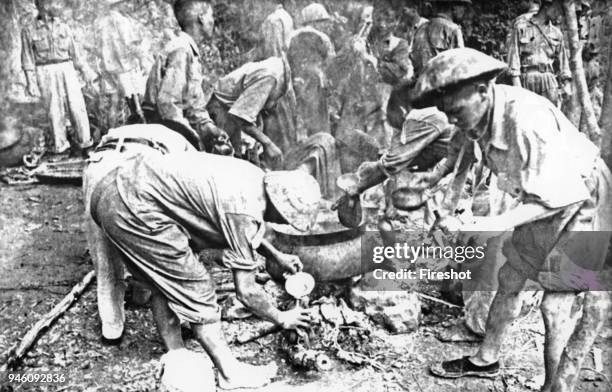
463, 367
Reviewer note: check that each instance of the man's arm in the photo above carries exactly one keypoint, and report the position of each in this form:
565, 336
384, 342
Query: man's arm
77, 59
514, 59
27, 61
524, 213
253, 296
273, 154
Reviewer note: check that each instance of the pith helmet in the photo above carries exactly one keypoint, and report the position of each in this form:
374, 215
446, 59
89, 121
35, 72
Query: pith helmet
451, 69
314, 12
295, 195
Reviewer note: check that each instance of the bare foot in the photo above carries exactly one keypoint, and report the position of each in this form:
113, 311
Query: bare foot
248, 376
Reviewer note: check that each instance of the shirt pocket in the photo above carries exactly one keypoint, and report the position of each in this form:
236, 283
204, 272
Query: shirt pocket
63, 41
40, 43
552, 46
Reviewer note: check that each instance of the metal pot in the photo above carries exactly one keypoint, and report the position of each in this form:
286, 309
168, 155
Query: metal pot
329, 252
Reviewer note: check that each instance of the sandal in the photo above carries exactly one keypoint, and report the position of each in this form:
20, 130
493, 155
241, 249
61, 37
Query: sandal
463, 367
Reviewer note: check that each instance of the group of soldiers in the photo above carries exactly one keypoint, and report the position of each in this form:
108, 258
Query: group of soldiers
275, 138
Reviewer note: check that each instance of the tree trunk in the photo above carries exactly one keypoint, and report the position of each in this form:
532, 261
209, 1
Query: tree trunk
571, 22
606, 111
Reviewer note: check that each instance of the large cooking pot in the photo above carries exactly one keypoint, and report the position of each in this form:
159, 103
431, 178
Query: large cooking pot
15, 143
329, 252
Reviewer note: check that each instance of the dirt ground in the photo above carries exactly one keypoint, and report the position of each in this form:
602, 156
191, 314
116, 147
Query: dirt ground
43, 254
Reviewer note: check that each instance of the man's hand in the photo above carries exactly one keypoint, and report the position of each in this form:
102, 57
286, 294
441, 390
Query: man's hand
294, 318
210, 130
349, 197
32, 90
566, 90
289, 263
450, 224
89, 76
273, 156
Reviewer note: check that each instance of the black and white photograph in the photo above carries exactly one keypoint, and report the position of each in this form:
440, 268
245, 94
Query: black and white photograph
302, 196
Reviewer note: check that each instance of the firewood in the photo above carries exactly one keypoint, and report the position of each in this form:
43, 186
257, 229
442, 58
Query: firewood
18, 350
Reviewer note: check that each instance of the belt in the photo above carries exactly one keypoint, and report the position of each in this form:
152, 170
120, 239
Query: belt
120, 144
52, 62
543, 68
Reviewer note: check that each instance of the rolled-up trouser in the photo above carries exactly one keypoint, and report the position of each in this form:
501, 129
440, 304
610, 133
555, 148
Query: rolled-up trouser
62, 96
107, 260
542, 83
567, 251
160, 258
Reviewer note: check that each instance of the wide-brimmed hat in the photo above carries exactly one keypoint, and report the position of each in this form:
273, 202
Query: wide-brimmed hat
295, 195
450, 70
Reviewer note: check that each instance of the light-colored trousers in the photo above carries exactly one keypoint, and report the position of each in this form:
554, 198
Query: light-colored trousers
63, 99
107, 259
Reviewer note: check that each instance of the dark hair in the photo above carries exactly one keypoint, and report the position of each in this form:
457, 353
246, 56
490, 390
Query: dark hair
184, 11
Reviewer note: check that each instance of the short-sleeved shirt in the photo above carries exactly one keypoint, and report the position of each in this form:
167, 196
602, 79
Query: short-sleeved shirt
422, 142
48, 41
533, 44
433, 38
253, 87
118, 40
276, 32
174, 87
539, 158
214, 199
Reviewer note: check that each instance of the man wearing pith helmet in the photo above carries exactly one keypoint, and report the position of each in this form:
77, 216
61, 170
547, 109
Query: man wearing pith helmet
563, 187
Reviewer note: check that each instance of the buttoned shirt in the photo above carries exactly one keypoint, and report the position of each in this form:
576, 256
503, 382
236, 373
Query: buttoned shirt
253, 87
432, 38
538, 45
174, 86
535, 151
48, 41
117, 41
215, 199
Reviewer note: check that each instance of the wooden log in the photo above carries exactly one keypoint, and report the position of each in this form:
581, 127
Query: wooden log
18, 350
309, 359
265, 330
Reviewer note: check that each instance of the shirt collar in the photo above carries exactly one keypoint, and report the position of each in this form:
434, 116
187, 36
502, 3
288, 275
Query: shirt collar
43, 21
444, 16
189, 40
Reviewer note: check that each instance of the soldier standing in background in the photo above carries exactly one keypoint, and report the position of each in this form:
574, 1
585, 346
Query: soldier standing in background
119, 44
174, 96
440, 34
281, 125
310, 50
50, 53
537, 54
433, 37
